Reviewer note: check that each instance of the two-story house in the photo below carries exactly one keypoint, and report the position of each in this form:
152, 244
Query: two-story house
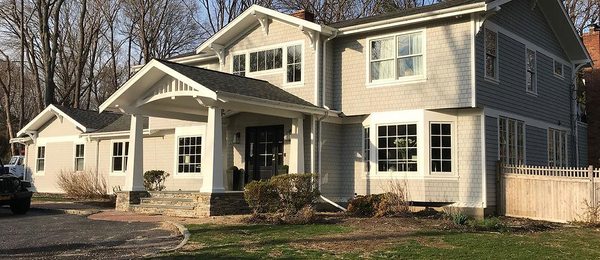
432, 97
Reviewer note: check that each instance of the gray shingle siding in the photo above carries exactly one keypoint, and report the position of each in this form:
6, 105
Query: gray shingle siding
331, 169
519, 18
536, 145
491, 155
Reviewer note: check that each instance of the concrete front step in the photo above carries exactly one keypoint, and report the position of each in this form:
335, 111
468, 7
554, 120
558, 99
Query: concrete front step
167, 201
168, 210
173, 194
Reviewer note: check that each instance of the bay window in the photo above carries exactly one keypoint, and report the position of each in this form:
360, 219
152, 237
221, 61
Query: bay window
511, 134
441, 147
397, 57
397, 148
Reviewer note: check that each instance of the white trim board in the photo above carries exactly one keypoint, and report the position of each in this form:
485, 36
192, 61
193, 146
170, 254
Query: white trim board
528, 121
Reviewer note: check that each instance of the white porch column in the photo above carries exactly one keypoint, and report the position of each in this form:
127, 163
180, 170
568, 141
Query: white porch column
134, 177
212, 158
297, 146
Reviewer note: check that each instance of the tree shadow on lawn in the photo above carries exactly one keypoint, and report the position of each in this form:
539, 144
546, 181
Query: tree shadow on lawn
304, 241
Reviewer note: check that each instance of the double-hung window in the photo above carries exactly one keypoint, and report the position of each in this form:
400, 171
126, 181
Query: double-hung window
294, 64
491, 54
397, 57
120, 153
531, 77
239, 65
557, 147
79, 157
397, 148
41, 159
189, 154
266, 60
441, 147
512, 141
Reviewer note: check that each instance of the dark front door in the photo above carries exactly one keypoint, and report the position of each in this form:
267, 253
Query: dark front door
264, 151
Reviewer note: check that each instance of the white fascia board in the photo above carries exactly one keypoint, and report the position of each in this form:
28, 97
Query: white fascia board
256, 9
412, 19
272, 104
183, 60
50, 109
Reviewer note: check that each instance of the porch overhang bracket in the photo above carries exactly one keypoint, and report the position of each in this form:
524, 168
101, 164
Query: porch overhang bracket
264, 21
220, 51
58, 115
312, 35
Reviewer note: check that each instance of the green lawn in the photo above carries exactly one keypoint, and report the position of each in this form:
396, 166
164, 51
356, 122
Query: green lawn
311, 242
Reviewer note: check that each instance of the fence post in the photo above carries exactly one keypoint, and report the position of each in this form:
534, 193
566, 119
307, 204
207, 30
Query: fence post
592, 185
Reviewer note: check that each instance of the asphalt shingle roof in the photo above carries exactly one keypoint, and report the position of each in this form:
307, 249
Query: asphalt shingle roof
401, 13
89, 118
228, 83
121, 124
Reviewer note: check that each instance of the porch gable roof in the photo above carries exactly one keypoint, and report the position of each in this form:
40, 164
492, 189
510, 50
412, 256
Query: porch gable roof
200, 82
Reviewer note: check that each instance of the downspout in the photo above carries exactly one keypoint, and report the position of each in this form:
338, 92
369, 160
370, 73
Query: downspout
573, 108
320, 120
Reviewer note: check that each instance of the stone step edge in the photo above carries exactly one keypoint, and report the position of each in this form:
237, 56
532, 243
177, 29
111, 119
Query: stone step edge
158, 206
167, 199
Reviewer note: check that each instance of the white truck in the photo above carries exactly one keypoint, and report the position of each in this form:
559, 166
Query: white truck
15, 166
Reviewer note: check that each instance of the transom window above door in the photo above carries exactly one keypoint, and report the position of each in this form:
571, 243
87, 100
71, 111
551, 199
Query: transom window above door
397, 57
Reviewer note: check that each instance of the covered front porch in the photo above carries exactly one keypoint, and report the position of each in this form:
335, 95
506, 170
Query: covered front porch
248, 124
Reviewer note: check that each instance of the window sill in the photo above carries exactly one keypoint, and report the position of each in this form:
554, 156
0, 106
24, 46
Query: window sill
559, 76
531, 93
118, 174
293, 84
388, 83
492, 80
187, 176
264, 72
39, 173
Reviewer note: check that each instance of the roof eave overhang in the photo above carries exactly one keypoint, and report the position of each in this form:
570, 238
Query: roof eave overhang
251, 17
226, 96
43, 117
413, 19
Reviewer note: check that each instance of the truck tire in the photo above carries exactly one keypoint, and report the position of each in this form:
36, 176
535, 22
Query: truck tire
20, 206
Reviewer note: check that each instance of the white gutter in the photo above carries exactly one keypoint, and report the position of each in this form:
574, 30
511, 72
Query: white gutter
416, 18
115, 134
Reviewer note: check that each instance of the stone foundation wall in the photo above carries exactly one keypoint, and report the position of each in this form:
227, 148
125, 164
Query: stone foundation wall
219, 204
126, 198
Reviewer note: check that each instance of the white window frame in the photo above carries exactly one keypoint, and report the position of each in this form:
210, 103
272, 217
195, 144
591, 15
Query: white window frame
534, 80
396, 80
282, 71
177, 153
187, 131
417, 147
286, 64
508, 147
38, 158
366, 148
125, 151
233, 71
562, 65
452, 147
496, 77
551, 133
76, 157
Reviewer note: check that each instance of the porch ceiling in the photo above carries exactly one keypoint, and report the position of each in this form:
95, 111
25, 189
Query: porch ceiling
168, 89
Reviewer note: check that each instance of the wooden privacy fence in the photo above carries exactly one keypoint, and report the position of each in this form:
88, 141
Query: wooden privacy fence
559, 194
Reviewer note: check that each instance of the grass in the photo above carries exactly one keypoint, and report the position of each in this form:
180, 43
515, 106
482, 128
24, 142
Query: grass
311, 241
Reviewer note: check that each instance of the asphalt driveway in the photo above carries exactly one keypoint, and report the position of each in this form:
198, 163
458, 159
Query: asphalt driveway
47, 235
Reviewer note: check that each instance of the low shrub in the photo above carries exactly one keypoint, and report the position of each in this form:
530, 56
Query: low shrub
83, 185
261, 196
154, 180
488, 224
364, 205
288, 198
591, 214
456, 216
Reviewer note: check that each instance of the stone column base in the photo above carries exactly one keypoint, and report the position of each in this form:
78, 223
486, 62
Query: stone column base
220, 204
127, 198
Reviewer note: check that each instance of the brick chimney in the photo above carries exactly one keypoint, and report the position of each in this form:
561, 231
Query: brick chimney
591, 40
305, 15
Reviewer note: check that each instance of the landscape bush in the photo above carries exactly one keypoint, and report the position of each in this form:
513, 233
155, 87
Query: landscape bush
154, 180
287, 198
83, 185
488, 224
456, 216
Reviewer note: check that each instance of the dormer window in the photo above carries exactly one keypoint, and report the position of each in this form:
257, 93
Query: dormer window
397, 57
266, 60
